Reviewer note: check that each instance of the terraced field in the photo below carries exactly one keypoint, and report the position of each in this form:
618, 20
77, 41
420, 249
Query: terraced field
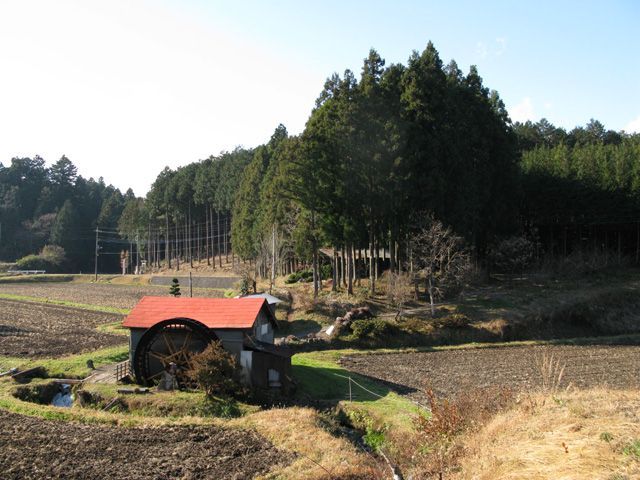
451, 372
39, 330
102, 294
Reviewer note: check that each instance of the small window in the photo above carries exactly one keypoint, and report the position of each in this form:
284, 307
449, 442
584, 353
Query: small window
274, 378
265, 329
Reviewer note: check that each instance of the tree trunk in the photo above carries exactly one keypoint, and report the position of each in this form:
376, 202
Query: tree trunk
354, 271
167, 253
314, 246
377, 260
372, 268
345, 272
334, 286
273, 257
213, 257
637, 242
431, 293
176, 249
349, 270
206, 235
619, 247
392, 260
226, 237
190, 239
218, 234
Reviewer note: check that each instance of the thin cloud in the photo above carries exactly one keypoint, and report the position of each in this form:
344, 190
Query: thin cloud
481, 49
523, 111
633, 126
502, 45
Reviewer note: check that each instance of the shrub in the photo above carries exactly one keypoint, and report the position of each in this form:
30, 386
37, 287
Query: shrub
215, 371
244, 287
293, 278
439, 442
174, 289
326, 271
513, 255
455, 320
371, 328
374, 435
304, 276
54, 254
33, 262
50, 259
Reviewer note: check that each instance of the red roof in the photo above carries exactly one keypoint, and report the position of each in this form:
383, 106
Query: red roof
212, 312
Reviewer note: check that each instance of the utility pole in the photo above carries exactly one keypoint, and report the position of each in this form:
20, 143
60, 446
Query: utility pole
96, 259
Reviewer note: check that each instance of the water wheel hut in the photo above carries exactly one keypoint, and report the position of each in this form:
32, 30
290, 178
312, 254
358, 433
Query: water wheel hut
165, 330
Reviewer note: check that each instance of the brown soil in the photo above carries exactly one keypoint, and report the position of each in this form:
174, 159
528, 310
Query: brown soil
38, 330
106, 295
36, 449
451, 372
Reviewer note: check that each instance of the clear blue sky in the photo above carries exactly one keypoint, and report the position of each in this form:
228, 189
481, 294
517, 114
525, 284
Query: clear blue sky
124, 88
579, 58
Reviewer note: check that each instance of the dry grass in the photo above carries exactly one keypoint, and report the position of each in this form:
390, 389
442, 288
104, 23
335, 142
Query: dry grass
587, 434
551, 372
320, 455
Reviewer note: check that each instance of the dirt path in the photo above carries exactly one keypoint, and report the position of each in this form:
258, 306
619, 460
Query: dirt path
451, 372
33, 448
295, 305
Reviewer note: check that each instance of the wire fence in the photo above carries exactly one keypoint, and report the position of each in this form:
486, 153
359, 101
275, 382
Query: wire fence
353, 383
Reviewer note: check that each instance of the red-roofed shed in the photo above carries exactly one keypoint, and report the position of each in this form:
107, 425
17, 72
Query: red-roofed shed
168, 330
213, 313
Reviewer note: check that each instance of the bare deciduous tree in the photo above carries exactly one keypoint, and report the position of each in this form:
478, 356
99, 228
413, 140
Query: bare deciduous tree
399, 290
440, 257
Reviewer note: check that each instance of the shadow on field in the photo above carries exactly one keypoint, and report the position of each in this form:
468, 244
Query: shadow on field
330, 385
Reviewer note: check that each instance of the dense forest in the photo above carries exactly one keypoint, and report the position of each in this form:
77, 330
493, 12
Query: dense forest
55, 206
378, 152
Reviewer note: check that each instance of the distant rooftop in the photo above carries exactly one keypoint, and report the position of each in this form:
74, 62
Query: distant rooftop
268, 297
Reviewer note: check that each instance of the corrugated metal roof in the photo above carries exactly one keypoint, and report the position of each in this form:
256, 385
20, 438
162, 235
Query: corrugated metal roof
271, 300
212, 312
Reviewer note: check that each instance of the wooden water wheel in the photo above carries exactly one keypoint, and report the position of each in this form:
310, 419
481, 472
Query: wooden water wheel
170, 341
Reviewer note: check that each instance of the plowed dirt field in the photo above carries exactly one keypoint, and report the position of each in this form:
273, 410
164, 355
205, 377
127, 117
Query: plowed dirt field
450, 372
39, 330
106, 295
33, 448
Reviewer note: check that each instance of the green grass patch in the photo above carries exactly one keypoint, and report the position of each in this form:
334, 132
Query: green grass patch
632, 449
320, 377
114, 328
74, 366
64, 303
174, 405
36, 278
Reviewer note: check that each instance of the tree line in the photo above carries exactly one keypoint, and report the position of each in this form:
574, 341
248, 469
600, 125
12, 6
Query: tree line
584, 196
379, 152
42, 205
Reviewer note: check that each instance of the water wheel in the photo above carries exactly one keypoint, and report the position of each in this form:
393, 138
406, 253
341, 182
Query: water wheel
170, 341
